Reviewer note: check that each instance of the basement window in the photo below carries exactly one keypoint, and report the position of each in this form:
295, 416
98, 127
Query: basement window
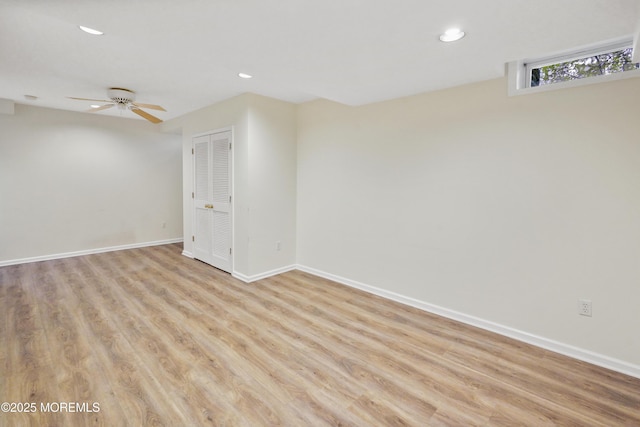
577, 68
593, 64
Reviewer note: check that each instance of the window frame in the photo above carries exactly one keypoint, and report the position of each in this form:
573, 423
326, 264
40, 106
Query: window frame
519, 72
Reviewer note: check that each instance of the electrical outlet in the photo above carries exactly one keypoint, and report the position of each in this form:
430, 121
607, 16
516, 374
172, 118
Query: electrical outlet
584, 307
278, 245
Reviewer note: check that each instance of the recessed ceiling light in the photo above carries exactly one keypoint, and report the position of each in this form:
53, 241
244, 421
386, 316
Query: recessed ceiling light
90, 31
451, 35
245, 75
95, 106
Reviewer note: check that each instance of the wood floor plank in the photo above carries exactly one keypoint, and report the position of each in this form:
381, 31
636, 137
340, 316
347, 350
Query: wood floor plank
294, 336
198, 349
418, 370
160, 339
30, 378
139, 396
265, 352
6, 276
582, 395
237, 341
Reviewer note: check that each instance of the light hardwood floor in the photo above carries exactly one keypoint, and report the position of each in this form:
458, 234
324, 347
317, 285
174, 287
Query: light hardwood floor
155, 338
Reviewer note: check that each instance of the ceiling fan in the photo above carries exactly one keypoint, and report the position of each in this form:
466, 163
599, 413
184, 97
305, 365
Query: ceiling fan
124, 99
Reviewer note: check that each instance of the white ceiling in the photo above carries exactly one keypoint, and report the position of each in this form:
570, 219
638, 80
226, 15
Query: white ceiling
186, 54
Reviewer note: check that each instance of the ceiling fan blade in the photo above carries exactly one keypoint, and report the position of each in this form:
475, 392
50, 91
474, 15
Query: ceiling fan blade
152, 119
104, 107
151, 106
89, 99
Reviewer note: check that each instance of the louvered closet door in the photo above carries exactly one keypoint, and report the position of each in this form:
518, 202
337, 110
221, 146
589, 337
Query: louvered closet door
203, 218
212, 202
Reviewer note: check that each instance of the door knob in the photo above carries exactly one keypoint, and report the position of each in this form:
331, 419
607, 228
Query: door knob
208, 206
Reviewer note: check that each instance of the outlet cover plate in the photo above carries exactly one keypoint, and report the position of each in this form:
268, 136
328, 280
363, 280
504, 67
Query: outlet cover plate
584, 307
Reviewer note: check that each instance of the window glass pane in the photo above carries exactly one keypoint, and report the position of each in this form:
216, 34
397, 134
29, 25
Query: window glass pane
596, 65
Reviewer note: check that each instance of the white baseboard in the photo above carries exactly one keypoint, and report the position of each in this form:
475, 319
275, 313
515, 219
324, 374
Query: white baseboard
538, 341
249, 279
187, 254
89, 252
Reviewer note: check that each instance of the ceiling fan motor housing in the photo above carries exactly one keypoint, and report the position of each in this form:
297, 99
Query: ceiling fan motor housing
120, 96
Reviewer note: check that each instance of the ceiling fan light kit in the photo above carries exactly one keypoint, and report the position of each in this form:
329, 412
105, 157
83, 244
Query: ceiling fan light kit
124, 99
452, 35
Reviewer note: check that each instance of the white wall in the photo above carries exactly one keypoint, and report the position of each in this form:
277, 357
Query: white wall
272, 184
508, 209
75, 182
264, 179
